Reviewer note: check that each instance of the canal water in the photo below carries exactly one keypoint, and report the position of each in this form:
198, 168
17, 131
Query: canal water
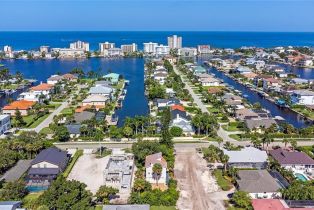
291, 117
132, 69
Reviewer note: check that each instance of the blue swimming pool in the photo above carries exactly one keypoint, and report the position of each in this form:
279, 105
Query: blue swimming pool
301, 177
36, 188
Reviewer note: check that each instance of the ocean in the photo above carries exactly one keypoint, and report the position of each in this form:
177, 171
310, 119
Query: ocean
32, 40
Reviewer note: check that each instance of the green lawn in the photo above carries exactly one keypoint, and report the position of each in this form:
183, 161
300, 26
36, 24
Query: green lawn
162, 208
235, 136
223, 183
38, 121
30, 199
230, 128
98, 207
46, 130
67, 111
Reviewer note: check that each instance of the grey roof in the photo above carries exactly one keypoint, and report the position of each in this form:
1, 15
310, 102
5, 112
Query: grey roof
256, 181
170, 100
17, 171
246, 155
127, 207
304, 92
100, 90
52, 155
185, 126
10, 205
74, 128
83, 116
100, 116
257, 123
103, 83
43, 171
175, 113
295, 157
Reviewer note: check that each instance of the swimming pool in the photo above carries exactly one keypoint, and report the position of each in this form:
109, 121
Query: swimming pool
301, 177
36, 188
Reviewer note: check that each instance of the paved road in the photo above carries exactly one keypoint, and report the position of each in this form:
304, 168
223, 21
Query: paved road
221, 132
178, 146
49, 119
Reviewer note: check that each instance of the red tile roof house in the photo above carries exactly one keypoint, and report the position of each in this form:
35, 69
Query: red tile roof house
23, 106
298, 162
150, 161
273, 204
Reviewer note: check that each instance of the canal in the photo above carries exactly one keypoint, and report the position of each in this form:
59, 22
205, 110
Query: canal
132, 69
291, 117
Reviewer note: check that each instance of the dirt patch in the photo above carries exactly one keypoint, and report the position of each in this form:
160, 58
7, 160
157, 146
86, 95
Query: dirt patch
198, 188
89, 170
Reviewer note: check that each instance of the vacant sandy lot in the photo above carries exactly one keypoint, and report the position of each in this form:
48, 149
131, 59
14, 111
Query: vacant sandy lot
89, 170
198, 189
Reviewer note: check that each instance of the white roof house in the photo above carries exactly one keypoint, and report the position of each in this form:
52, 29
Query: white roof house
101, 90
248, 157
95, 100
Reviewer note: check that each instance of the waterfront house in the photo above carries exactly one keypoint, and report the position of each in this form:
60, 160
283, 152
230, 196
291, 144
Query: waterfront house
70, 77
101, 90
43, 90
5, 123
10, 205
299, 81
243, 114
47, 165
74, 130
182, 120
127, 207
160, 77
302, 97
270, 83
250, 76
83, 116
293, 160
104, 83
23, 106
258, 183
152, 178
119, 171
95, 100
210, 82
112, 77
215, 90
163, 103
248, 157
178, 107
243, 70
199, 70
258, 124
54, 79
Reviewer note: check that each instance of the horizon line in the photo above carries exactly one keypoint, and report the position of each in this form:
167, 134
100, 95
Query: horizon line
226, 31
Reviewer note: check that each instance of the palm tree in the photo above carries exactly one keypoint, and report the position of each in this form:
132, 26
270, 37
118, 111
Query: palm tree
157, 170
285, 141
224, 160
256, 141
196, 121
219, 141
294, 144
267, 139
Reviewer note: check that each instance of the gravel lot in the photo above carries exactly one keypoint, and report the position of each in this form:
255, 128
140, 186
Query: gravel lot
89, 170
198, 189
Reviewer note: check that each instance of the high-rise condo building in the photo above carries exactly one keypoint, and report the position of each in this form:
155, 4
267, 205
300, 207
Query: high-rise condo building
79, 45
106, 46
129, 48
175, 42
7, 49
150, 47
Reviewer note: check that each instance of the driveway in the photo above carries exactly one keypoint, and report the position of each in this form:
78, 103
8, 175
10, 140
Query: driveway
89, 170
198, 188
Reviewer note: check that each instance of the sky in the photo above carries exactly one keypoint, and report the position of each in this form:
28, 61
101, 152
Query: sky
161, 15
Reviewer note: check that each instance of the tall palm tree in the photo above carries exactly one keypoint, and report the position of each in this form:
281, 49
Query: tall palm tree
224, 160
285, 141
